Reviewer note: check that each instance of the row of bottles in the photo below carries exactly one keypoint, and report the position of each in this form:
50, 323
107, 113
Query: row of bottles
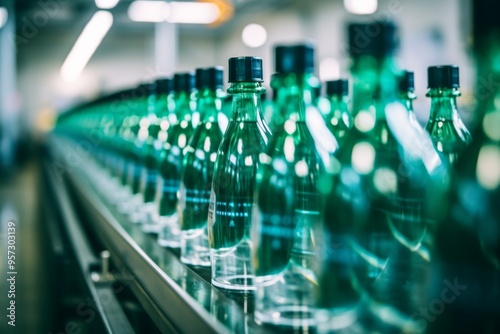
337, 220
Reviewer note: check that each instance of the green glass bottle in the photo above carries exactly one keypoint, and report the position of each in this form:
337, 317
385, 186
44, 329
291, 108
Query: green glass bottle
233, 186
171, 161
465, 281
288, 200
447, 130
144, 115
338, 119
157, 129
136, 109
374, 250
268, 100
199, 161
122, 115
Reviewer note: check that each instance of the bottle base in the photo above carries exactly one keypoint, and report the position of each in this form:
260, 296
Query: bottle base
232, 267
292, 316
150, 223
235, 283
195, 250
169, 233
196, 262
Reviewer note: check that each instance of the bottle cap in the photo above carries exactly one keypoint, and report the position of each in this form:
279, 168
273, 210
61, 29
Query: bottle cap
337, 87
377, 39
184, 82
407, 81
245, 69
199, 79
446, 76
164, 86
211, 78
151, 88
294, 58
144, 90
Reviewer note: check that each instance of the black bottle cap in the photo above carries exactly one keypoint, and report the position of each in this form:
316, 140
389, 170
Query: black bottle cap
150, 88
407, 81
446, 76
337, 87
184, 82
377, 39
294, 58
199, 79
164, 86
245, 69
143, 90
211, 78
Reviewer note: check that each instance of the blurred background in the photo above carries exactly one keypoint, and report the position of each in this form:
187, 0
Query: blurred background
38, 35
55, 54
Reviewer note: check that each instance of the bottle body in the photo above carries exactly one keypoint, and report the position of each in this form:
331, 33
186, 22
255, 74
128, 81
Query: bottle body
195, 190
287, 217
338, 119
171, 164
158, 133
170, 168
446, 128
233, 186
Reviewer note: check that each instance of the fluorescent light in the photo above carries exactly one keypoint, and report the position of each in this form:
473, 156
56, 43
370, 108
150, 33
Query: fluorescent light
193, 12
85, 45
173, 12
361, 7
4, 16
148, 11
106, 4
254, 35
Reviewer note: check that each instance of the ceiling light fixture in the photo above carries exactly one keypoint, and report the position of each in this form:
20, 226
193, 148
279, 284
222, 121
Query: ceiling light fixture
361, 7
173, 12
106, 4
148, 11
254, 35
85, 45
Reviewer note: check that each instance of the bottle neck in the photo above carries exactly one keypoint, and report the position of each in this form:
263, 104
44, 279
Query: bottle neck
183, 106
444, 104
151, 104
407, 99
374, 84
338, 103
209, 104
246, 101
294, 93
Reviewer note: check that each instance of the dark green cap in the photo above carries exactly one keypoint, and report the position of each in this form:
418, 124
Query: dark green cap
446, 76
294, 58
245, 69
